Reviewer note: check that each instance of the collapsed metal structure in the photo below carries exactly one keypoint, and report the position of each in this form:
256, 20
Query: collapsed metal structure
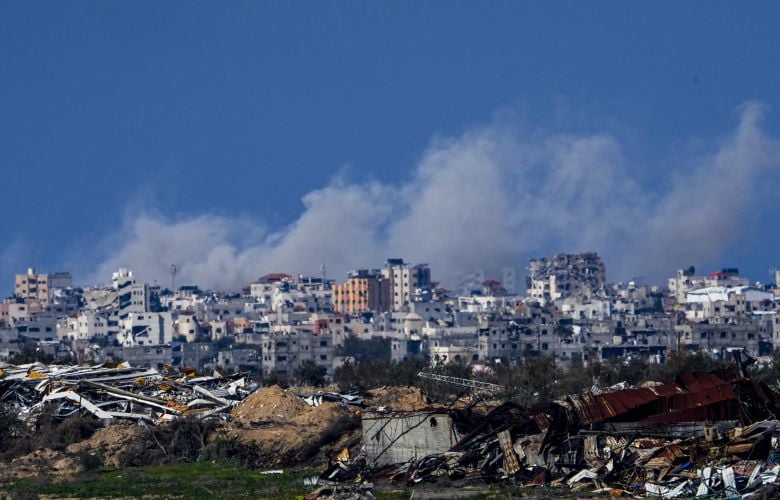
710, 433
704, 434
112, 392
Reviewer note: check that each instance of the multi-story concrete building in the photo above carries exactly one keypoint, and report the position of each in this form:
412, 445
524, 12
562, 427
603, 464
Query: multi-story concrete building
15, 309
406, 282
146, 329
239, 359
454, 347
683, 282
714, 338
587, 308
32, 286
148, 356
40, 327
686, 280
720, 302
196, 355
188, 326
364, 290
88, 324
131, 297
284, 352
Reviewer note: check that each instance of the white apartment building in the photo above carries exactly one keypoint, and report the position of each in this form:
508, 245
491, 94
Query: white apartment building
685, 281
187, 325
146, 329
405, 281
132, 297
716, 302
591, 309
87, 325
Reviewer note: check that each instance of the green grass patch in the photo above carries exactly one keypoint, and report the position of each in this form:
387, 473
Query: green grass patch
190, 480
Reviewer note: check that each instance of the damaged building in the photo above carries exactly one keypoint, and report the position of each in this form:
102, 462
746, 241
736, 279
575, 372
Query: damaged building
565, 275
391, 438
706, 433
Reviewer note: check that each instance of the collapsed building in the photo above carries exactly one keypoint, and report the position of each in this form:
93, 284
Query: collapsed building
711, 433
394, 438
120, 392
565, 275
706, 433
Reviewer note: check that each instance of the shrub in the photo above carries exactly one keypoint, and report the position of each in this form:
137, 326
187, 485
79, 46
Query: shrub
10, 426
181, 440
90, 461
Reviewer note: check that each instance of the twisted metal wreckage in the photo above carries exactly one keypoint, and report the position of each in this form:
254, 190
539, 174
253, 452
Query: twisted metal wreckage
706, 434
111, 392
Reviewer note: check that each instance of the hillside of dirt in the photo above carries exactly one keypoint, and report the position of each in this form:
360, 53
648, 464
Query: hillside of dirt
110, 442
284, 429
272, 427
37, 462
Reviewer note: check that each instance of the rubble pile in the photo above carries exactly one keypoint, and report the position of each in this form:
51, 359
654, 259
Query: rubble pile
120, 392
568, 274
705, 434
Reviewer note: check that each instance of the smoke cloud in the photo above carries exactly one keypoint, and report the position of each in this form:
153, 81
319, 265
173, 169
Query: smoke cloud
494, 196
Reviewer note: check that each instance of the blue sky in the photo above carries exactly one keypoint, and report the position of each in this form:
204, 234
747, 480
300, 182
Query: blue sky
220, 118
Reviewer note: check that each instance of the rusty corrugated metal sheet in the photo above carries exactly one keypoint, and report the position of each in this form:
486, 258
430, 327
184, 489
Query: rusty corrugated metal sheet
724, 410
667, 389
698, 381
696, 396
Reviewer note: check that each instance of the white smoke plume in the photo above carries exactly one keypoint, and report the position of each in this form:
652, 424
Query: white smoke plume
491, 197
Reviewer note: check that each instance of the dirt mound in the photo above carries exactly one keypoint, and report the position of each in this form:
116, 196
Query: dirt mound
284, 429
404, 398
39, 462
109, 441
269, 404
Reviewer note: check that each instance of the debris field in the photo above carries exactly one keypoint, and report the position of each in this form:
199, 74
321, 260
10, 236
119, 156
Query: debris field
706, 434
713, 434
115, 392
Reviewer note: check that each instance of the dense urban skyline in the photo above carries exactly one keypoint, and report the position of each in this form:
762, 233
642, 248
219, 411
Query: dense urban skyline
336, 249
